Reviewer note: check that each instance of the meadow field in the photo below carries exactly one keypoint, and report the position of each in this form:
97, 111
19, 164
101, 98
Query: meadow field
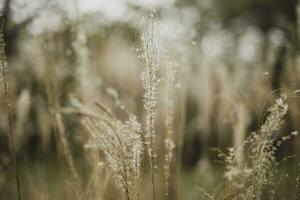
149, 100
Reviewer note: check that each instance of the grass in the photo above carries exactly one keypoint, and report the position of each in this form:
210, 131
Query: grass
3, 64
99, 137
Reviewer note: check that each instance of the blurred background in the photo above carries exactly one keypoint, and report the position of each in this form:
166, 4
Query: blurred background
234, 58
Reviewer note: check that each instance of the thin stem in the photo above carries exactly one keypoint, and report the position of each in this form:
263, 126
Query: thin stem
8, 110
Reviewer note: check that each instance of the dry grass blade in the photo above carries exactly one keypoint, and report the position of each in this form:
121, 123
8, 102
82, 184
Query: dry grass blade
3, 64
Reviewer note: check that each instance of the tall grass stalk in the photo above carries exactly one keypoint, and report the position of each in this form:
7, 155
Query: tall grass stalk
53, 95
179, 140
169, 141
23, 107
150, 82
3, 64
239, 129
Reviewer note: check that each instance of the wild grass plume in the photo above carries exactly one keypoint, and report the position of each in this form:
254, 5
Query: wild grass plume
122, 145
249, 179
150, 80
